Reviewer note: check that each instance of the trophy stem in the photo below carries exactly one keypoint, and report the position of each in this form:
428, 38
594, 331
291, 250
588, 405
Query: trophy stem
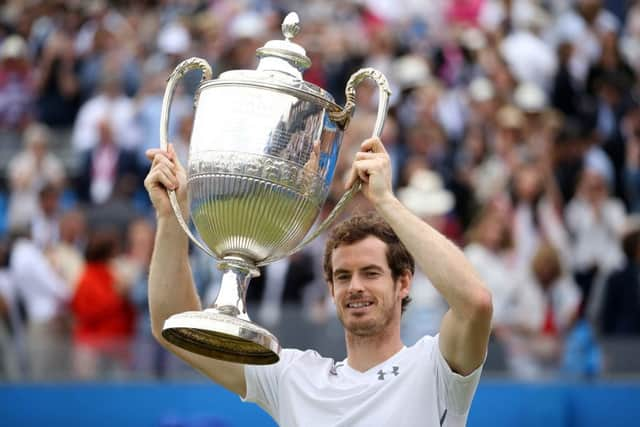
231, 299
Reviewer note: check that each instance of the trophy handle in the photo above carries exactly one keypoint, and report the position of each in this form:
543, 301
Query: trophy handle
177, 74
342, 118
384, 93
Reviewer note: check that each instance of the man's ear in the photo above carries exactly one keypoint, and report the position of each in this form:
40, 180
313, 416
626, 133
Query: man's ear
405, 280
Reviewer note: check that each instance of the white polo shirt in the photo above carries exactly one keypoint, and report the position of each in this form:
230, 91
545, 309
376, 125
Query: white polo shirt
413, 387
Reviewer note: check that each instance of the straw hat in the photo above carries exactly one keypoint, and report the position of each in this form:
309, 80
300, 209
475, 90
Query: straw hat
510, 117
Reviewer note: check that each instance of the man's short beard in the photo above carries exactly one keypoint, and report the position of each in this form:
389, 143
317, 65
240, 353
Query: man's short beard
371, 327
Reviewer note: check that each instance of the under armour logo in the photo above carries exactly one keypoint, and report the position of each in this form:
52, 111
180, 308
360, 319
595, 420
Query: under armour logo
395, 371
334, 369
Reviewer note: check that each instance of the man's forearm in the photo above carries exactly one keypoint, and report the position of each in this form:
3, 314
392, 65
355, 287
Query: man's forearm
171, 287
442, 262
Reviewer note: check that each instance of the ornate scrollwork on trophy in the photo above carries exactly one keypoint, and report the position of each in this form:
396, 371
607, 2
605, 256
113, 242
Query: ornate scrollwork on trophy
192, 64
344, 116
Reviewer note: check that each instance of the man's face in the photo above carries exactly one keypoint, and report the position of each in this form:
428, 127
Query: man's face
366, 297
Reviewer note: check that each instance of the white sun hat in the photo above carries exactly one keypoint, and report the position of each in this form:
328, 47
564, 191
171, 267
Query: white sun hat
425, 195
13, 47
530, 98
481, 90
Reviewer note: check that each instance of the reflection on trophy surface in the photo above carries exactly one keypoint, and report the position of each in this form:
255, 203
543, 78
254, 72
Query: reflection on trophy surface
263, 151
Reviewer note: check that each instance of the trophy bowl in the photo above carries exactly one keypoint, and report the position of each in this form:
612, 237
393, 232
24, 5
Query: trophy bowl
262, 156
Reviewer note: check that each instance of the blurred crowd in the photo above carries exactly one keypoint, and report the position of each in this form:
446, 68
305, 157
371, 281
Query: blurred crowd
514, 129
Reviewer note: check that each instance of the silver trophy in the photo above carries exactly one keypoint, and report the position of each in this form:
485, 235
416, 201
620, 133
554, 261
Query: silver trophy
262, 156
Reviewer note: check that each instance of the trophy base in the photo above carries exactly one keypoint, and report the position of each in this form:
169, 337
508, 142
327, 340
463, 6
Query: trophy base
222, 336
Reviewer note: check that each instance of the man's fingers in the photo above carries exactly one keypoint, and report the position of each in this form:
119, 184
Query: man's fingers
363, 175
373, 145
151, 153
364, 168
159, 176
169, 179
364, 165
366, 155
169, 154
370, 165
351, 179
162, 160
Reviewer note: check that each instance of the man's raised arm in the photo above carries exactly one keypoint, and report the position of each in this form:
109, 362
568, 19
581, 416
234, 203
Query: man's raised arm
465, 328
171, 287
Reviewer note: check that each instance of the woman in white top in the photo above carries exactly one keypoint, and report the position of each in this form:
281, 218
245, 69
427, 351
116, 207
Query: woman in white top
490, 250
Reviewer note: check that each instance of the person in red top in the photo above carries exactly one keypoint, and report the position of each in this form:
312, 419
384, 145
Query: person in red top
104, 318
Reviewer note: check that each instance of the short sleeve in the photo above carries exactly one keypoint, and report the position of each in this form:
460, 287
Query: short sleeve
263, 381
455, 391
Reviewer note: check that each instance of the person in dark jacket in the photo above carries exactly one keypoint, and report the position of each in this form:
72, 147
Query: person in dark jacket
621, 309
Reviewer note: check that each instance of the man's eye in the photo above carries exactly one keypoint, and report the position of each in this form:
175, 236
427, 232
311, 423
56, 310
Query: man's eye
372, 274
341, 277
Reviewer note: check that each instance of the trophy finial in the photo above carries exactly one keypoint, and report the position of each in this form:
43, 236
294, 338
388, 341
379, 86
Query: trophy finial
285, 55
291, 26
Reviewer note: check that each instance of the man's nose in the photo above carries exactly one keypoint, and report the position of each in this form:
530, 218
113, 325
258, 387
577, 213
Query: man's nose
356, 284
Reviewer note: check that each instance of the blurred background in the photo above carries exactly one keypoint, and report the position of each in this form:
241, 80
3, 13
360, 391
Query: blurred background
514, 129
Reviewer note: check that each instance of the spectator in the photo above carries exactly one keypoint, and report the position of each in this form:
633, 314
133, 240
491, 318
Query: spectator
492, 171
632, 162
104, 166
483, 102
16, 84
104, 317
132, 266
569, 149
542, 311
45, 227
621, 306
29, 171
106, 45
630, 39
44, 295
490, 250
537, 69
66, 255
10, 327
582, 26
58, 87
566, 95
112, 106
595, 219
535, 218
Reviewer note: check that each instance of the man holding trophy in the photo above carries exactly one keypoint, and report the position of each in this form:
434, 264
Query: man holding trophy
253, 204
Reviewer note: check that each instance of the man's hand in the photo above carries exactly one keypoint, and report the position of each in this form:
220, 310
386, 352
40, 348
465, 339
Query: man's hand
166, 173
373, 167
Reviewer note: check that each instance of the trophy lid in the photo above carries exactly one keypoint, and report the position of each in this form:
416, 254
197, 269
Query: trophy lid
280, 68
285, 55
